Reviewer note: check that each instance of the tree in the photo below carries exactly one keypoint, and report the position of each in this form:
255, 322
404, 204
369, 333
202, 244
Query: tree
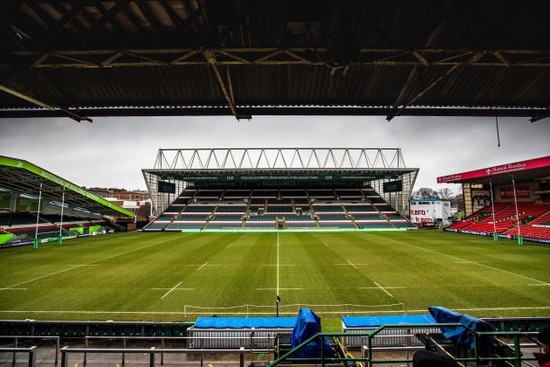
144, 210
445, 194
425, 193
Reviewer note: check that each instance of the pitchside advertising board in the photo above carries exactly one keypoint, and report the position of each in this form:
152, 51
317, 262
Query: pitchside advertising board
430, 212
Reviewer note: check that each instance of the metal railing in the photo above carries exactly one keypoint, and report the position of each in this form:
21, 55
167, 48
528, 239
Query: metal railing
153, 352
367, 356
372, 344
17, 338
31, 351
249, 339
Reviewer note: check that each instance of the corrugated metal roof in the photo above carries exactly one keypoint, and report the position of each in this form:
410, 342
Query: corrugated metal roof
244, 57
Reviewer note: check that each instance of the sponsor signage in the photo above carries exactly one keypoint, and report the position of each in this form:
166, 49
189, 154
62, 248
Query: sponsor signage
277, 177
496, 170
522, 192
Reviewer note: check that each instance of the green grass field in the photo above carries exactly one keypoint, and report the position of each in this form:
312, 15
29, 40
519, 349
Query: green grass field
178, 276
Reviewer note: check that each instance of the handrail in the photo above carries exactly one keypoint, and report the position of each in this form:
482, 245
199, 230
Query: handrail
45, 337
153, 351
476, 358
31, 351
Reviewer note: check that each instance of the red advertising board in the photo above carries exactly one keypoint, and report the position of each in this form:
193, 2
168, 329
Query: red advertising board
495, 170
522, 192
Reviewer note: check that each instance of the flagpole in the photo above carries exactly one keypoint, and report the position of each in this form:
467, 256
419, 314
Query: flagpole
60, 238
35, 245
520, 238
495, 235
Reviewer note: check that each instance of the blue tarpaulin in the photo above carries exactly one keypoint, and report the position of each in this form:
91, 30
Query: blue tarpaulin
245, 322
307, 325
461, 335
375, 321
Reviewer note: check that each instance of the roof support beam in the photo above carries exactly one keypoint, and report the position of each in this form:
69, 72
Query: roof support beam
42, 104
95, 58
541, 116
452, 70
226, 90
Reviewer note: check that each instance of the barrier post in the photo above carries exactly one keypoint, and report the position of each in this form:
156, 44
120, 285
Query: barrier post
517, 352
241, 357
32, 356
152, 358
123, 354
63, 357
57, 350
15, 344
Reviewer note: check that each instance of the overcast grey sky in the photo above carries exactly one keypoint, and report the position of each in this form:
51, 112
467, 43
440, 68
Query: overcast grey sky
110, 152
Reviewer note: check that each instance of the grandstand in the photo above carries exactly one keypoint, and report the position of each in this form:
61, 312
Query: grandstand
510, 200
37, 206
279, 188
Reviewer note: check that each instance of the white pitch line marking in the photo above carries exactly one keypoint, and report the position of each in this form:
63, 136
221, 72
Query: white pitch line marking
170, 291
195, 265
382, 288
87, 264
202, 266
228, 245
81, 265
263, 313
538, 285
349, 262
279, 265
473, 262
283, 289
177, 289
13, 289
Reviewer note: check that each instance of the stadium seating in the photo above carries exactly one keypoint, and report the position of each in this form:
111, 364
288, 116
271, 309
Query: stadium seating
346, 208
531, 215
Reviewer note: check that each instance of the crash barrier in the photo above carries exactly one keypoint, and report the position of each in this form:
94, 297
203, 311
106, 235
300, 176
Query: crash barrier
517, 341
250, 343
17, 339
31, 353
80, 329
151, 353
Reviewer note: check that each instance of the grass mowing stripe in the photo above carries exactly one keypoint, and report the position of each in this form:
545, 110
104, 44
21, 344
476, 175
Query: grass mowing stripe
474, 262
179, 313
88, 264
415, 277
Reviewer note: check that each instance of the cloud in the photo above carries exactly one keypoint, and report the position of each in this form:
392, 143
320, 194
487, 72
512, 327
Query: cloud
112, 151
